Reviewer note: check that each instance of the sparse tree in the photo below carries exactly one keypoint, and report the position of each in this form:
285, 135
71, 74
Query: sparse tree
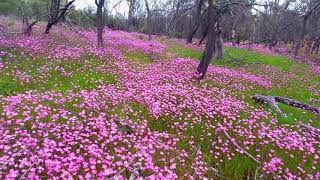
99, 22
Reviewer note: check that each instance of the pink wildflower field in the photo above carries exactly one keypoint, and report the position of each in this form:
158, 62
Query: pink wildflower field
70, 110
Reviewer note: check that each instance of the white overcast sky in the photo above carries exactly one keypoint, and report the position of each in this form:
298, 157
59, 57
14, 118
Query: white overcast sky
122, 8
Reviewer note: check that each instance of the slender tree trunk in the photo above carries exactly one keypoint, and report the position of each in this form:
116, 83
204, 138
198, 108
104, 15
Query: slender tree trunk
131, 20
204, 35
303, 32
211, 41
99, 22
219, 43
197, 20
148, 20
25, 21
315, 46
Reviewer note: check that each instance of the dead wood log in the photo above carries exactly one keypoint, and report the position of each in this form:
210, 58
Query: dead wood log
272, 102
297, 104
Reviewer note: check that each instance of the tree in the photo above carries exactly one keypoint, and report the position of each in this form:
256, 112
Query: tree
99, 22
211, 42
197, 20
56, 14
132, 10
148, 19
311, 8
9, 7
25, 20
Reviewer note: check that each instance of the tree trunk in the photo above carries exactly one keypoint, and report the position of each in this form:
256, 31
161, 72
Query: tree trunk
56, 13
219, 44
148, 20
53, 15
197, 21
193, 32
315, 45
211, 41
99, 22
25, 21
131, 20
303, 32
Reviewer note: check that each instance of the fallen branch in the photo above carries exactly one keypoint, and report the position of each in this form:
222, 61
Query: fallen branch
240, 148
272, 102
27, 171
297, 104
123, 169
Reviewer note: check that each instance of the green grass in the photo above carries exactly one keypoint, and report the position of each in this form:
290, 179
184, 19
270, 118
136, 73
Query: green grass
138, 57
44, 75
235, 57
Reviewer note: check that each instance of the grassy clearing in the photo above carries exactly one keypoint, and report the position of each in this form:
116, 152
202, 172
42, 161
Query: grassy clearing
22, 73
138, 57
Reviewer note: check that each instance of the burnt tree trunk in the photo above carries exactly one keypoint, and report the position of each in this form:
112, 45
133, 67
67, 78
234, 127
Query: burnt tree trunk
56, 13
211, 41
53, 14
197, 20
99, 22
204, 35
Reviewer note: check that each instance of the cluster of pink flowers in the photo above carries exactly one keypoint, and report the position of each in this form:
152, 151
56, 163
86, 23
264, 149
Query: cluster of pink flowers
90, 140
66, 52
108, 52
71, 45
1, 65
316, 69
21, 76
2, 53
63, 72
127, 41
273, 165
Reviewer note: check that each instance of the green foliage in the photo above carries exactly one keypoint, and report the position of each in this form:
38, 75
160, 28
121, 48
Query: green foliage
36, 8
84, 18
8, 7
8, 85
